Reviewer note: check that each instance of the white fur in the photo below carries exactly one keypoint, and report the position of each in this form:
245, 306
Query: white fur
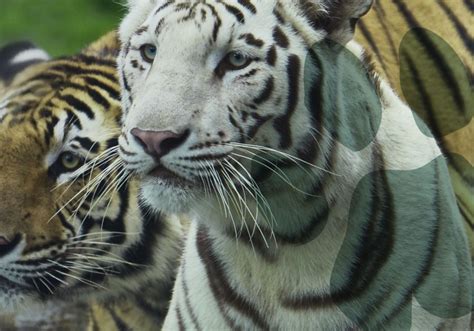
180, 81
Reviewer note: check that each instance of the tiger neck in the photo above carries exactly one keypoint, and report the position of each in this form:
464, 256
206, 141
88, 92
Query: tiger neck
304, 209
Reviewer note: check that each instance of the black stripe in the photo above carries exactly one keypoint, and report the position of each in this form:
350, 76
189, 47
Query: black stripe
142, 251
141, 30
235, 124
282, 123
217, 23
156, 304
94, 94
371, 254
88, 144
48, 76
278, 16
248, 74
158, 29
78, 105
180, 319
125, 82
271, 56
247, 4
163, 6
65, 223
220, 285
259, 121
111, 90
239, 16
95, 325
84, 71
71, 119
251, 40
119, 322
98, 98
186, 297
91, 60
266, 92
460, 28
373, 44
280, 37
429, 111
433, 244
423, 37
388, 32
469, 4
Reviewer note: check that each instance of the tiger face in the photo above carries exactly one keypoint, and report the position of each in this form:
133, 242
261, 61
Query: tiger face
67, 227
230, 76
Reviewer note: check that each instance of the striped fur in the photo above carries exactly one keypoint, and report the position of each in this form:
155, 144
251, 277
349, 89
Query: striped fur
385, 33
320, 200
69, 228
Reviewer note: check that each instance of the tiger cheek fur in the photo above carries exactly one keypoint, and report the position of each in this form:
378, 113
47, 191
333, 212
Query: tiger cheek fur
69, 231
304, 209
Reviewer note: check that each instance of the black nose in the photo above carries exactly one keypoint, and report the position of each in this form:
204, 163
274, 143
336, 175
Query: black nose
159, 143
6, 245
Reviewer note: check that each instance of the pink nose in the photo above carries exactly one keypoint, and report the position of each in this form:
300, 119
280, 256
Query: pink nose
159, 143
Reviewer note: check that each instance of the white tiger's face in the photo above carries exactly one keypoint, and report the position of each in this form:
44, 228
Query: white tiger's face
205, 85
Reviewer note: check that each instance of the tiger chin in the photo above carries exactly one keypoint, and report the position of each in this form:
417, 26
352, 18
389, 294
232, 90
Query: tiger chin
320, 200
72, 230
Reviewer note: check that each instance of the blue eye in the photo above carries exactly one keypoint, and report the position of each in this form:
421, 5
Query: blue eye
148, 52
238, 60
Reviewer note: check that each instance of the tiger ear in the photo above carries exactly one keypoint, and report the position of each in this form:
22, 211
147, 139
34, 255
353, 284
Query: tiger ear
339, 17
107, 45
17, 56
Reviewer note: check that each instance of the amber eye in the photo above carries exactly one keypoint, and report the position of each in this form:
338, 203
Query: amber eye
148, 52
70, 161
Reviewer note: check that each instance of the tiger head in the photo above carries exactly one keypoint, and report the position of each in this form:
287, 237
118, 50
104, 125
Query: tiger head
212, 87
60, 235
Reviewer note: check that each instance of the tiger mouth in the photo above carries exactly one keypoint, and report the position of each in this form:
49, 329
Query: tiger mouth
169, 177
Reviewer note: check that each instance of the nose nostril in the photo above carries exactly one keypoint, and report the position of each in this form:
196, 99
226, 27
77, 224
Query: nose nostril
168, 144
6, 246
159, 143
136, 134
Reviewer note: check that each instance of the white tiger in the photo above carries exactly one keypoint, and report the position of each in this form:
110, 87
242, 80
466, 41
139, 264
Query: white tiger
320, 201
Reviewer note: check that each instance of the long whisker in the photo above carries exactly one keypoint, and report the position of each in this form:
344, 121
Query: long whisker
290, 157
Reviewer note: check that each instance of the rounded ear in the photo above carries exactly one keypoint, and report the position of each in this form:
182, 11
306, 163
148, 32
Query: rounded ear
107, 45
339, 17
17, 56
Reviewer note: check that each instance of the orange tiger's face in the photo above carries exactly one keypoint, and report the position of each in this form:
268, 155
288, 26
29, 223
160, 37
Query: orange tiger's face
58, 235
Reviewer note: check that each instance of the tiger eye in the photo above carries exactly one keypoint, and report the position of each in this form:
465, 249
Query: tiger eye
238, 59
70, 160
148, 52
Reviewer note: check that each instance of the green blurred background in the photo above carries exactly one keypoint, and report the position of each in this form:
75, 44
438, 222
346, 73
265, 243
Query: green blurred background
61, 27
